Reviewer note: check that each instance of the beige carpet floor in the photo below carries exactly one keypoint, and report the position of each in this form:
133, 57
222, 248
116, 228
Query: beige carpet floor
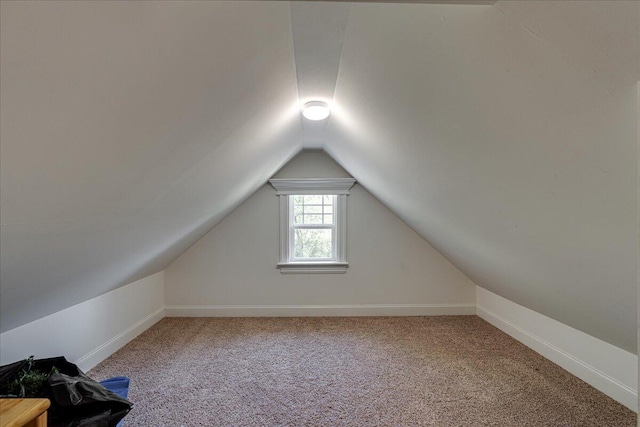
376, 371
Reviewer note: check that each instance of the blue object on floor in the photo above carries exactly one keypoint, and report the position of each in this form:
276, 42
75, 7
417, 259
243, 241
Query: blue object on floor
118, 385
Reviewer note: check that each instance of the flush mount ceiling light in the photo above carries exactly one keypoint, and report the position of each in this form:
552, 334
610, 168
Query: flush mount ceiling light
316, 110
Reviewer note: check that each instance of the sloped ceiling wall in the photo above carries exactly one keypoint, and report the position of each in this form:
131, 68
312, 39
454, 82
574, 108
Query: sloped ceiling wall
128, 130
505, 135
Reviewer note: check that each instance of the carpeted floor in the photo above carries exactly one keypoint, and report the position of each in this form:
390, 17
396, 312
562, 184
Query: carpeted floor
376, 371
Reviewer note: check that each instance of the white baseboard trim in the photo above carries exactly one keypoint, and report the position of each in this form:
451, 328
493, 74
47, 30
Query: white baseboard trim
610, 369
319, 310
105, 350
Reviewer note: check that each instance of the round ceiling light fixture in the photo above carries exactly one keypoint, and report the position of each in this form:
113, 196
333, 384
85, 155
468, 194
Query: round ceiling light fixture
316, 110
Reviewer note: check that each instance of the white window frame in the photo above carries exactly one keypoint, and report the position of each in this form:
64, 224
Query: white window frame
285, 188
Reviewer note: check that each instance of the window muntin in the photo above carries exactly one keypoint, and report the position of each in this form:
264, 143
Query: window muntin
313, 208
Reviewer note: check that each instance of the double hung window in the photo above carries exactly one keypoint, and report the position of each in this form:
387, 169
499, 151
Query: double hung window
313, 227
313, 224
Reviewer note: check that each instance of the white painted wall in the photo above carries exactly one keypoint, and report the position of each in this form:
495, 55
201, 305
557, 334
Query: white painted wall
608, 368
89, 332
392, 270
128, 130
506, 137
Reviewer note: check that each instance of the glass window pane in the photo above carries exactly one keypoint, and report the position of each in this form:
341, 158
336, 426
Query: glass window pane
328, 219
313, 219
298, 199
297, 210
297, 219
313, 243
313, 200
313, 209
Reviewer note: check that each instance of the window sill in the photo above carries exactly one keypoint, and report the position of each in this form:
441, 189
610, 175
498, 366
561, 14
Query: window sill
313, 267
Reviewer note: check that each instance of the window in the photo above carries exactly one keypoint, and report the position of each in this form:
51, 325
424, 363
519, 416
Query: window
313, 227
313, 224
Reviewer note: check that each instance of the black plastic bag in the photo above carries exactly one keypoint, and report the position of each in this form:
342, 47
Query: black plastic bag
76, 399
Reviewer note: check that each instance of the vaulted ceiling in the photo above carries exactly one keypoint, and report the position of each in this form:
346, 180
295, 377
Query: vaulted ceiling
505, 134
